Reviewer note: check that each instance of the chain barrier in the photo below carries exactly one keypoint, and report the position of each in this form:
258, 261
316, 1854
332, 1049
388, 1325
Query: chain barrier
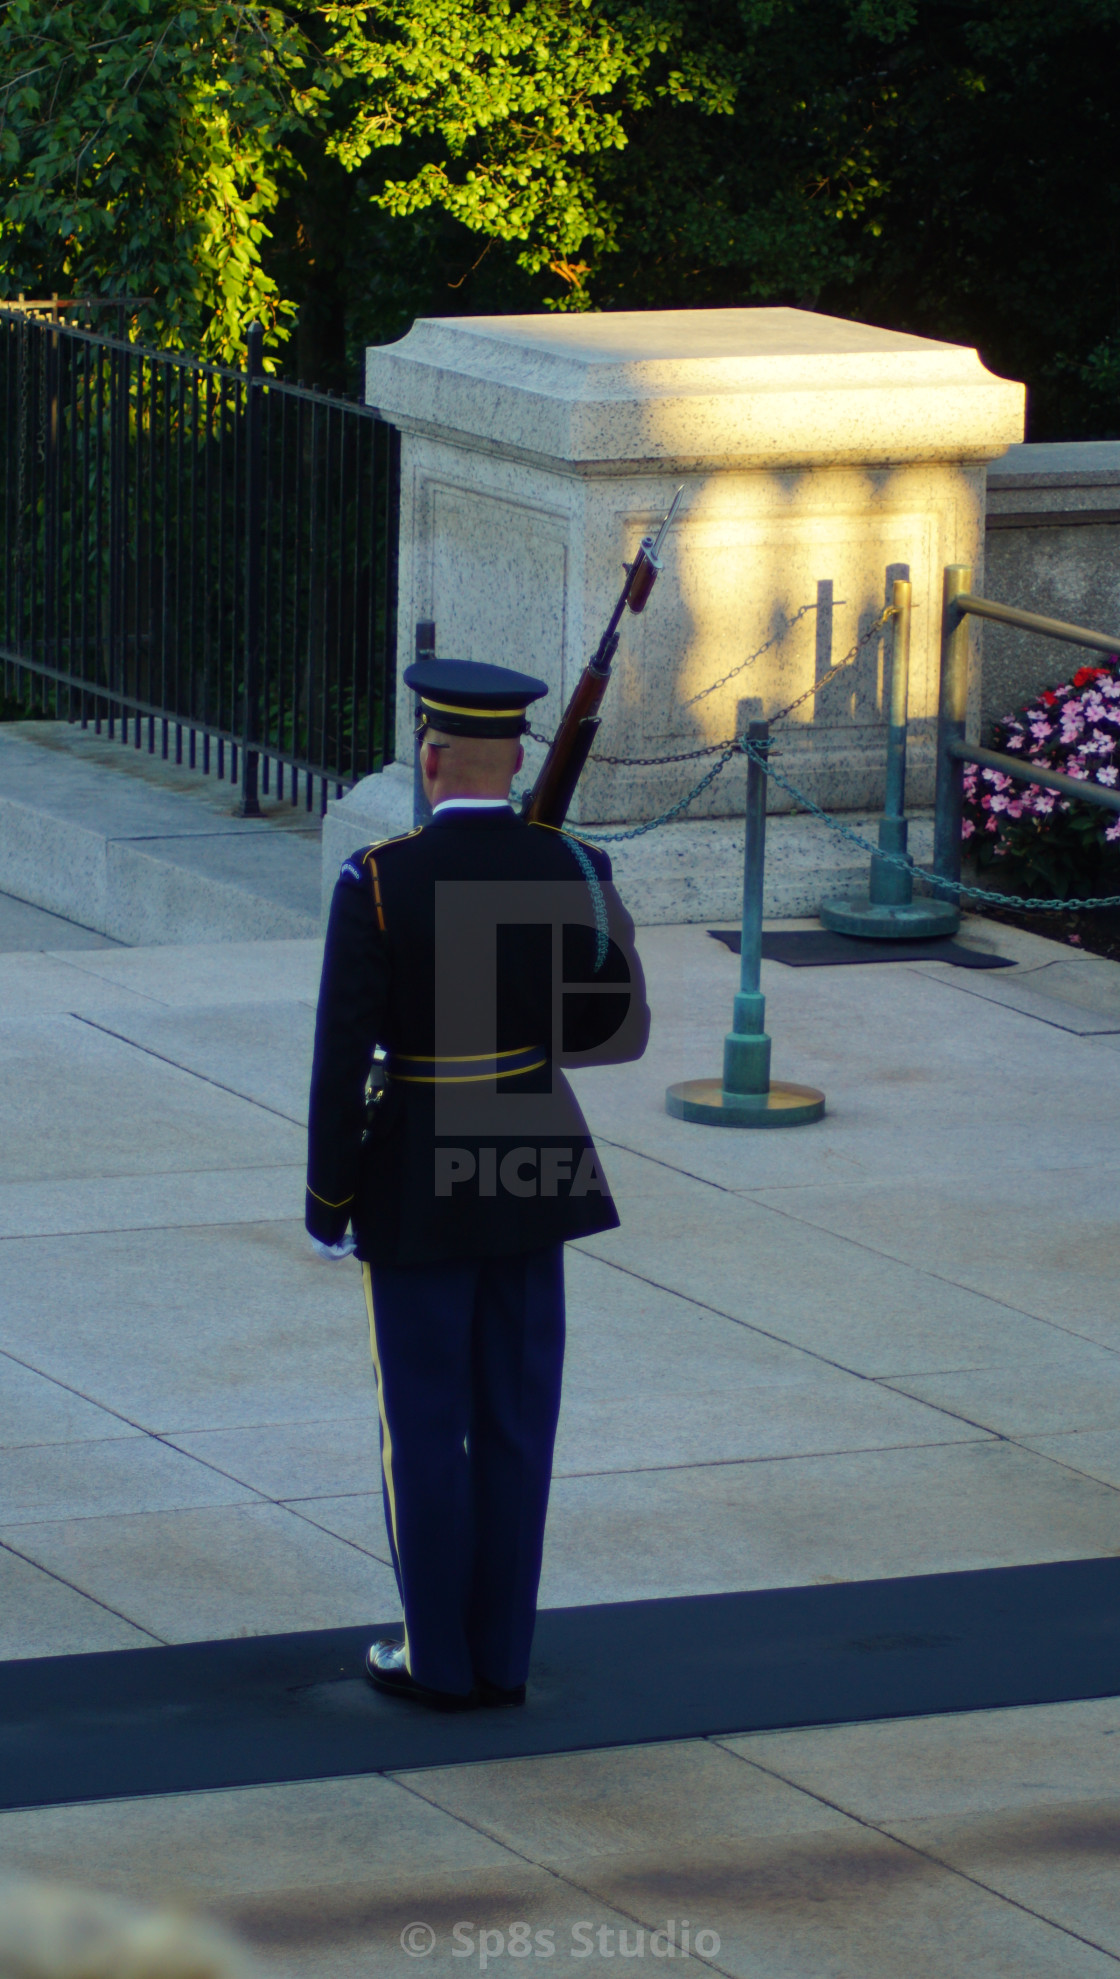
1022, 903
674, 811
849, 659
731, 744
732, 747
770, 644
645, 762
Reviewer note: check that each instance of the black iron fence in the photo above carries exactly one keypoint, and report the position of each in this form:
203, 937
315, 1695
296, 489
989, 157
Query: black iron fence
196, 558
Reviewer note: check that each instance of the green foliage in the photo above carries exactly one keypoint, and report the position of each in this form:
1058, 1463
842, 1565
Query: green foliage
141, 143
942, 166
514, 106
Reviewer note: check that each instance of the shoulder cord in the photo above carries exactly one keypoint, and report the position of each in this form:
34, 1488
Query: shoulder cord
599, 905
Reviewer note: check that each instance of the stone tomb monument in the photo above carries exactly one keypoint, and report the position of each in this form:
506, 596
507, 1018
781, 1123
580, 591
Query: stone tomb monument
820, 459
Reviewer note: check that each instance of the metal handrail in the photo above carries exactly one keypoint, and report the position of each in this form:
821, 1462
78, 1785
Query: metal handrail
1051, 628
1070, 786
958, 604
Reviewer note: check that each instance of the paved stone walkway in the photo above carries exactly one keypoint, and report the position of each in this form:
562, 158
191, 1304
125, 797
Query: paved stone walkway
885, 1345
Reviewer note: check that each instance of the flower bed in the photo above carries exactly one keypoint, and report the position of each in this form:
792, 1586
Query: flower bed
1049, 844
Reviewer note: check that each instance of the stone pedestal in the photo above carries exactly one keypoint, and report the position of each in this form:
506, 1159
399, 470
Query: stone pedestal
820, 459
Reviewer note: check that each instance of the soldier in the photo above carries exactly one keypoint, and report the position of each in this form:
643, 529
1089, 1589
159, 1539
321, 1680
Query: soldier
478, 954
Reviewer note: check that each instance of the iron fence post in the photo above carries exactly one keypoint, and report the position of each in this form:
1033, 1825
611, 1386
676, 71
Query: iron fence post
952, 711
23, 420
117, 414
249, 806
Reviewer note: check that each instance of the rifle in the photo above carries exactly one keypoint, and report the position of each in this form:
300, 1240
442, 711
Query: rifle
547, 803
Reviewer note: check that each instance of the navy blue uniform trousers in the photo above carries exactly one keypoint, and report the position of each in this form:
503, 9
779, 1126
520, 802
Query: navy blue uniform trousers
468, 1359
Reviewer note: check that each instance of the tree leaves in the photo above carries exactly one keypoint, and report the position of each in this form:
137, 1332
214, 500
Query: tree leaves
935, 165
143, 144
514, 105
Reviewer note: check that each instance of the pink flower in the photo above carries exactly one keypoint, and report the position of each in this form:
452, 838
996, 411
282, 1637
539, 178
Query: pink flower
967, 828
1113, 832
1108, 775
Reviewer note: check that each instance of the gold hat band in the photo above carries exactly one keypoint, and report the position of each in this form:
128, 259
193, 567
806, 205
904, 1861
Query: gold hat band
480, 714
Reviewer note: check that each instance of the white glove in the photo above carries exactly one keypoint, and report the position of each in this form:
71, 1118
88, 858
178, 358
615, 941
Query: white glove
345, 1247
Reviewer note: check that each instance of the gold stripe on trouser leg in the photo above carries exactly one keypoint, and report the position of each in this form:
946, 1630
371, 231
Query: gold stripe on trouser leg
386, 1433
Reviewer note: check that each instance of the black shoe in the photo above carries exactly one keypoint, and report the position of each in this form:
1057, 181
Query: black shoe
386, 1670
493, 1694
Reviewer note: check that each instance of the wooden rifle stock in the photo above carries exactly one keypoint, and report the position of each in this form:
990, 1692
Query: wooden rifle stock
552, 793
562, 768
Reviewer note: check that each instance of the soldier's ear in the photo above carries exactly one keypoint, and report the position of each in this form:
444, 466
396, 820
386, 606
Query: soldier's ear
520, 757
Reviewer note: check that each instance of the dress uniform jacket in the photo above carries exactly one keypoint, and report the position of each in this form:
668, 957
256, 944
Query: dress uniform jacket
416, 1188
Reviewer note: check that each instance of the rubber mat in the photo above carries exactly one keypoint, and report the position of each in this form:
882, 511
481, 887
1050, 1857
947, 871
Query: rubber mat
297, 1707
819, 948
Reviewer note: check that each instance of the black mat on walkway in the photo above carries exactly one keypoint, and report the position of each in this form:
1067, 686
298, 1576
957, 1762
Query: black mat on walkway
296, 1707
819, 948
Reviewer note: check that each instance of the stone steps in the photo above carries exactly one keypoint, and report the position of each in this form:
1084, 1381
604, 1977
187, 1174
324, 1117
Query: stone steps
145, 851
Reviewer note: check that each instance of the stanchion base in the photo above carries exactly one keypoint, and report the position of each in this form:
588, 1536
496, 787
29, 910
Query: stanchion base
705, 1102
919, 920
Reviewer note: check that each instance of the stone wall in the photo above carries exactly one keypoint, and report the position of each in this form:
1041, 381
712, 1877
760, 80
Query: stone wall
1052, 546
